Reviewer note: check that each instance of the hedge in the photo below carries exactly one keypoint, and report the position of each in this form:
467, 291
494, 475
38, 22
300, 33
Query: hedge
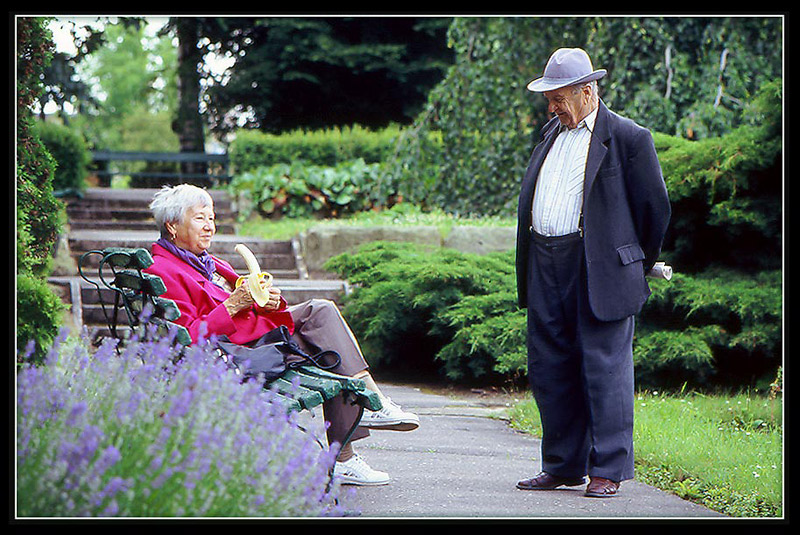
71, 153
252, 149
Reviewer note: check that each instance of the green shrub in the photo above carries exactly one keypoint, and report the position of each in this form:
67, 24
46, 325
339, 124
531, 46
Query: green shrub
726, 194
300, 189
70, 152
39, 312
489, 128
253, 149
432, 308
718, 326
456, 313
39, 214
38, 211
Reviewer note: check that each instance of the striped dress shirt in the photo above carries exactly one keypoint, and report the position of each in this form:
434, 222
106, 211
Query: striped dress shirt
558, 199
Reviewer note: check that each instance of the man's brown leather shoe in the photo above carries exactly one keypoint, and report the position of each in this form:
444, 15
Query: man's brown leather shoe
545, 481
600, 487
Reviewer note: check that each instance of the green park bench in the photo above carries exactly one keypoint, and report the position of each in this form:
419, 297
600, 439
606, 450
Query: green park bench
298, 389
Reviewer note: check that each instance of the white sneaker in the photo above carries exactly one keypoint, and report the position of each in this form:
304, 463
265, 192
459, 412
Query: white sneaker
391, 416
356, 471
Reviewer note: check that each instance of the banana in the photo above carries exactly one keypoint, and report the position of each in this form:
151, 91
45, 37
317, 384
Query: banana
259, 293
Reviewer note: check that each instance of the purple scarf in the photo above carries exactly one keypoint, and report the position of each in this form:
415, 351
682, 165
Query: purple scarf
202, 263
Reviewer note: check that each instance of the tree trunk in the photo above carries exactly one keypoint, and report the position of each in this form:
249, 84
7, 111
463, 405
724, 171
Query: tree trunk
188, 124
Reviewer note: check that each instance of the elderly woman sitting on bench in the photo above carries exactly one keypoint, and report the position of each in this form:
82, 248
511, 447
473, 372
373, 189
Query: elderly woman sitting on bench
202, 286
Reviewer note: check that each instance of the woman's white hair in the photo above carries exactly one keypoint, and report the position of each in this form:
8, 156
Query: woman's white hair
170, 203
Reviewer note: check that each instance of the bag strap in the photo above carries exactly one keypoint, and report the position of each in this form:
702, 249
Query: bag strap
281, 338
316, 359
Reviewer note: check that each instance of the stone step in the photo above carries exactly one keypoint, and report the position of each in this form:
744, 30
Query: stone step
127, 213
108, 197
279, 257
103, 204
138, 225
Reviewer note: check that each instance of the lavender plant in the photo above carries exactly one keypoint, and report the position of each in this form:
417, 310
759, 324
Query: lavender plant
145, 434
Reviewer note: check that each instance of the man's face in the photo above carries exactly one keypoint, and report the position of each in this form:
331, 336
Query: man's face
570, 104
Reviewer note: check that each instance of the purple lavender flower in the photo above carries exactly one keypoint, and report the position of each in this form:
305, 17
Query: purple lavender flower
154, 431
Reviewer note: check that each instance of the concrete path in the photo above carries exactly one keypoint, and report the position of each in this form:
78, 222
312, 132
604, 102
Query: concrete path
464, 462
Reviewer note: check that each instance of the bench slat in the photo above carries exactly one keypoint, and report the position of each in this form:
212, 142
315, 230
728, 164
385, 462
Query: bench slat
368, 399
364, 396
126, 257
326, 387
165, 328
151, 284
308, 399
164, 308
348, 383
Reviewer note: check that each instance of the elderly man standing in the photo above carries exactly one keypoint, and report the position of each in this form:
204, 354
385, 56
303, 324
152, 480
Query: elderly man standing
593, 211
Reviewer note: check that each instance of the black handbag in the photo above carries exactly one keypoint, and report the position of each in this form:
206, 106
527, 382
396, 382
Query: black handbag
267, 356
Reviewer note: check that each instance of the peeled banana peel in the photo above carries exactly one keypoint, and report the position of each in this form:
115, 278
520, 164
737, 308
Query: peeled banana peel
255, 276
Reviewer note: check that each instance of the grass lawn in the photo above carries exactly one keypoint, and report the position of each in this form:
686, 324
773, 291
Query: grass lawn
722, 451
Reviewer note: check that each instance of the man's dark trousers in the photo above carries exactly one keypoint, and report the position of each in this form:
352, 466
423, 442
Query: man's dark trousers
580, 369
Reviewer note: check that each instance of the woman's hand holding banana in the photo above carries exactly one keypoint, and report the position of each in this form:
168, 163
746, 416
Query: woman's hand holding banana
254, 289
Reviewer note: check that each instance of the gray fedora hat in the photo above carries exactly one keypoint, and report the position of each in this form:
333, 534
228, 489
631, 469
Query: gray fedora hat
567, 66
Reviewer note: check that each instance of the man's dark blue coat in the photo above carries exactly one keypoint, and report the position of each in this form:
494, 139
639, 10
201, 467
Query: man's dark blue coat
626, 212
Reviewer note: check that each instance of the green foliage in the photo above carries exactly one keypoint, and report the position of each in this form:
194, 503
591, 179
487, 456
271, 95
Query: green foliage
302, 190
457, 313
488, 344
133, 86
719, 326
726, 192
410, 301
482, 116
34, 53
39, 214
489, 122
321, 173
687, 76
317, 72
70, 152
253, 149
39, 312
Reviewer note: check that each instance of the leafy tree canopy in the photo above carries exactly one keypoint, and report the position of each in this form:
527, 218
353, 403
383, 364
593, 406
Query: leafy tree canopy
691, 77
322, 72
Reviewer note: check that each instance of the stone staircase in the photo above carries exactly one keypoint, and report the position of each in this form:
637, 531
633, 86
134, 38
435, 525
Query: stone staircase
121, 218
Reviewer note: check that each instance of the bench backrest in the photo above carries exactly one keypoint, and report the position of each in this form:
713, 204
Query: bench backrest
135, 292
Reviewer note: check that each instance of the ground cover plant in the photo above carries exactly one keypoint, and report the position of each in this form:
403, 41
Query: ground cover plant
143, 434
